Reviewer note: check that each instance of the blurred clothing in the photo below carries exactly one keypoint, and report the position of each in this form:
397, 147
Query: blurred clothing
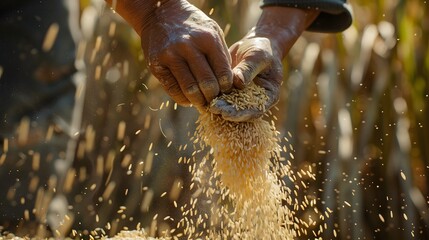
36, 103
33, 79
37, 96
335, 15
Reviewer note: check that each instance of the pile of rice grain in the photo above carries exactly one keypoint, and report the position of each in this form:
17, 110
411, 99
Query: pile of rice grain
134, 234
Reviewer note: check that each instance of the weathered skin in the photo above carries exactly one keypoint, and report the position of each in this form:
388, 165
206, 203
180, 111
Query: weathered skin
185, 49
187, 52
258, 56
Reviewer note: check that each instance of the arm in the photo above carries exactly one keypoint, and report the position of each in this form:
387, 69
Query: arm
335, 15
258, 56
185, 49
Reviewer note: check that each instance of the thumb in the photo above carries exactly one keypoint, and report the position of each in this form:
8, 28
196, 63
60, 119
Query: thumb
247, 69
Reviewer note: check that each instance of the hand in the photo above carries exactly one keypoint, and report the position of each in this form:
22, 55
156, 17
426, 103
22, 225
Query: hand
185, 49
254, 60
187, 52
258, 57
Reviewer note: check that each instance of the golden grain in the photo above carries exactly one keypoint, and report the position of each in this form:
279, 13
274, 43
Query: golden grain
50, 37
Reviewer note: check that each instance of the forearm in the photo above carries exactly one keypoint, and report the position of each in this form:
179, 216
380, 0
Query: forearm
283, 26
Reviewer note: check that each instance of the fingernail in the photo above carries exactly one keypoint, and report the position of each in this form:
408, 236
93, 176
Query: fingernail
225, 84
240, 75
239, 79
223, 80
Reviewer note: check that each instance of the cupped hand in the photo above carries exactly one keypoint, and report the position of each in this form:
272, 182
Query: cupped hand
254, 59
258, 56
187, 52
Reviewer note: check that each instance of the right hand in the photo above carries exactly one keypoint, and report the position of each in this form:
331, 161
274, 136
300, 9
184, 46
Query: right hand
186, 51
254, 60
258, 57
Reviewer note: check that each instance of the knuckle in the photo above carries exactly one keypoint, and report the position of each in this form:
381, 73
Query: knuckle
191, 89
162, 74
258, 52
166, 54
205, 77
158, 70
162, 56
247, 68
182, 42
172, 88
194, 94
209, 35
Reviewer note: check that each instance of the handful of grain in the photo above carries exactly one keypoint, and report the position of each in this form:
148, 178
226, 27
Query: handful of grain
252, 97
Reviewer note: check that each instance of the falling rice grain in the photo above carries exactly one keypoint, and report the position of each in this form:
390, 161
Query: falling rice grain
23, 132
70, 176
147, 200
50, 37
36, 161
121, 130
100, 165
122, 148
347, 203
126, 161
112, 29
176, 188
5, 145
403, 176
148, 163
2, 158
97, 73
34, 182
109, 189
381, 217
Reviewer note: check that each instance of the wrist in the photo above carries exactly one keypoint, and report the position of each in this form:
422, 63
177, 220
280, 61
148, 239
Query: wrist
142, 13
282, 26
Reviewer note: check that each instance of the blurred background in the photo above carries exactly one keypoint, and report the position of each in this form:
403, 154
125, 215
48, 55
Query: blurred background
354, 106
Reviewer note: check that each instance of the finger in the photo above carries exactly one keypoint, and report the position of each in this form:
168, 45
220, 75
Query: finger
272, 91
245, 115
271, 82
220, 61
187, 83
169, 84
247, 69
233, 52
203, 74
